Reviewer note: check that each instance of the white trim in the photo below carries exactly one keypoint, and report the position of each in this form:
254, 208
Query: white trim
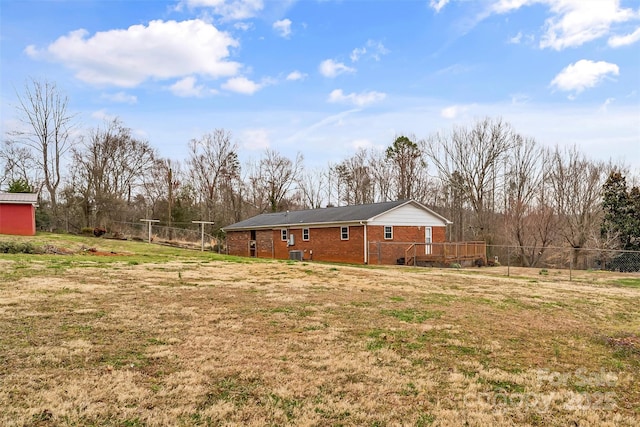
284, 234
308, 234
366, 244
298, 226
384, 231
341, 234
444, 220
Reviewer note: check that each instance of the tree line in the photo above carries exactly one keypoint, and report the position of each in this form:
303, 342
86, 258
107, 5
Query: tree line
495, 184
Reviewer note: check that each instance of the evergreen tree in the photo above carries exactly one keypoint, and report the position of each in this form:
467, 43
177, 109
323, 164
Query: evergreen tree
621, 211
20, 186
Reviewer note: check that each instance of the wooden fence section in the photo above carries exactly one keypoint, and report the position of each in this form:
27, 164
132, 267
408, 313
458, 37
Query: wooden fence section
446, 253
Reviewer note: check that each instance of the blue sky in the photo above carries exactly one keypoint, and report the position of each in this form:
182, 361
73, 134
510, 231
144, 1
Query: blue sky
325, 77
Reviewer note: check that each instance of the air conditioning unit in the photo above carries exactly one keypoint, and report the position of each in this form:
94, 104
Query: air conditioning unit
295, 255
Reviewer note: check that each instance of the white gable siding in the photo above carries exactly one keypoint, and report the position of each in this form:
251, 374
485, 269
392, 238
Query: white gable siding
408, 215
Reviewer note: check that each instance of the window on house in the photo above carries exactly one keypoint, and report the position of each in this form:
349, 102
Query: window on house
344, 233
305, 234
388, 232
284, 235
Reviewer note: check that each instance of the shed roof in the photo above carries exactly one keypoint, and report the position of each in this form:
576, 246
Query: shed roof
19, 198
332, 215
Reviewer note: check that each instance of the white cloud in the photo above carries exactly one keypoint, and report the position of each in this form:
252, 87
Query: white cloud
358, 99
255, 139
516, 39
283, 27
605, 106
187, 88
331, 68
573, 22
578, 21
453, 111
506, 6
120, 97
373, 48
102, 115
357, 53
228, 10
437, 5
161, 50
583, 74
243, 26
242, 85
358, 144
520, 98
618, 41
296, 75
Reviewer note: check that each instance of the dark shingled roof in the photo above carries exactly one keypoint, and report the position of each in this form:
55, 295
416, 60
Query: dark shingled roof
317, 216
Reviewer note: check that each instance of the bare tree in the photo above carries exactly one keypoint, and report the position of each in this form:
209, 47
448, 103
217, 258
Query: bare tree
18, 164
381, 172
469, 160
109, 169
274, 179
529, 219
313, 186
47, 132
213, 168
577, 189
164, 181
354, 180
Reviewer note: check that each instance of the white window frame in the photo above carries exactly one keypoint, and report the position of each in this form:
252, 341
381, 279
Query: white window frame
305, 234
284, 234
390, 227
342, 233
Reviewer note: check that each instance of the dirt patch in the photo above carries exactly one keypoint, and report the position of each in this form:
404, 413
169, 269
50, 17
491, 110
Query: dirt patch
57, 250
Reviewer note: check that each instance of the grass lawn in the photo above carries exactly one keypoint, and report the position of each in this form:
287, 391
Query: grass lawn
131, 334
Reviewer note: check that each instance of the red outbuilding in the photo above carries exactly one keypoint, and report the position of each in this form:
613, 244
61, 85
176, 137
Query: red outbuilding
18, 213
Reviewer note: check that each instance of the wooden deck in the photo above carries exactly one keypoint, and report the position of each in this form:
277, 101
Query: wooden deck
446, 253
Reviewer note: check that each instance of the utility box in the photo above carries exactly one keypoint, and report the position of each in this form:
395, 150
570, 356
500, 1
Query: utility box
295, 255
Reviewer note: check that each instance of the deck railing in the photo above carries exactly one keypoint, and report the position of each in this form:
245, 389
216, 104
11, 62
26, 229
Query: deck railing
445, 252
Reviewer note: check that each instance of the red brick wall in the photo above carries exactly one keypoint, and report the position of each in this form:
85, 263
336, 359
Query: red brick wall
238, 243
325, 244
265, 240
389, 251
17, 219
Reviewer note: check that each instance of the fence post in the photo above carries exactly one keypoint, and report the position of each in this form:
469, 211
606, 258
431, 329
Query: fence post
508, 261
571, 264
414, 254
379, 254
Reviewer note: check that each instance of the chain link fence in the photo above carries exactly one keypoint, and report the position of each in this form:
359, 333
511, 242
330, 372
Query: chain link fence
162, 234
505, 260
564, 260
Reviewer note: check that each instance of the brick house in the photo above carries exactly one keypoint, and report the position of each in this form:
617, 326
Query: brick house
18, 213
338, 234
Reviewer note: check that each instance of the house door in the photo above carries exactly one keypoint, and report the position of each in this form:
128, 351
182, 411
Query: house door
252, 244
427, 240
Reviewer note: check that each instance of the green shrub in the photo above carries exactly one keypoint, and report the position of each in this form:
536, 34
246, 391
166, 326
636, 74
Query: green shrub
17, 248
455, 265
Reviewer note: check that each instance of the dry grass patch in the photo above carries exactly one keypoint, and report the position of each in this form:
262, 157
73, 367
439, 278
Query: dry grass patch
277, 343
